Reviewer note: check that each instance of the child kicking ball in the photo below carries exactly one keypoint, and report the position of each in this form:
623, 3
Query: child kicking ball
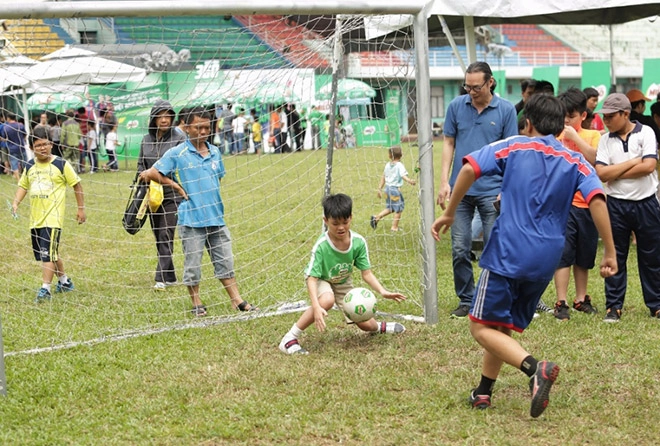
539, 178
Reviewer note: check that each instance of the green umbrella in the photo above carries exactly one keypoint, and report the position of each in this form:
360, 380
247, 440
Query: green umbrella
57, 102
271, 93
347, 89
211, 95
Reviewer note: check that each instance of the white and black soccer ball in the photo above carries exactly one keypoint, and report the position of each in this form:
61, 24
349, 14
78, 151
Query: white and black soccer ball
360, 304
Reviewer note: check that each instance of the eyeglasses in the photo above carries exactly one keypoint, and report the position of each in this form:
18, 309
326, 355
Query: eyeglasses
475, 88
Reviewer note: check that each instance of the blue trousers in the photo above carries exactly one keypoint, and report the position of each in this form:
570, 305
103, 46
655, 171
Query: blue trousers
643, 218
461, 241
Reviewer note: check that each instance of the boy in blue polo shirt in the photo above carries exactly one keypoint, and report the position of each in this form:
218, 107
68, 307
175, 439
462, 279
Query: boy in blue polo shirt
197, 169
539, 178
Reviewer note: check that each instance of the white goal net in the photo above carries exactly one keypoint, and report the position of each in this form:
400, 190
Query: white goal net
260, 64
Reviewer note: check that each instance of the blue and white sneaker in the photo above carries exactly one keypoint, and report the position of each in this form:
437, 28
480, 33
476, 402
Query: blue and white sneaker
64, 288
43, 295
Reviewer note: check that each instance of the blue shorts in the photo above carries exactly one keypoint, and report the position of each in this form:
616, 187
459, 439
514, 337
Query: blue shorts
581, 240
504, 302
17, 158
217, 241
394, 199
45, 244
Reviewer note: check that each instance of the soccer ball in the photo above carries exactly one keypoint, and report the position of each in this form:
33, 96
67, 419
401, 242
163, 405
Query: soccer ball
359, 304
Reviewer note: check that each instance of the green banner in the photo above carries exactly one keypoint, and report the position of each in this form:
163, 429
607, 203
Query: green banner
500, 78
131, 94
597, 74
550, 74
651, 78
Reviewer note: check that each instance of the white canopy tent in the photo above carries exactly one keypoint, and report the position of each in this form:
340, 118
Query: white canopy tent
68, 52
454, 15
60, 71
559, 12
576, 12
71, 66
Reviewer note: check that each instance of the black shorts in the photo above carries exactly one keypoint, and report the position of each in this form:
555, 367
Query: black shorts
581, 240
45, 243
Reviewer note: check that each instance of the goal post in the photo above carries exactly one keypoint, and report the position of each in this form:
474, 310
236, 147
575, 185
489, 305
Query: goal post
254, 59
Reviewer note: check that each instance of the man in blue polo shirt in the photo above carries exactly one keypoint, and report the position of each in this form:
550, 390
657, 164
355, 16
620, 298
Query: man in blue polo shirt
197, 169
472, 121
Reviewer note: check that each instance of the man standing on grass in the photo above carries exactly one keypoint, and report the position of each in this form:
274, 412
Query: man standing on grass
472, 121
197, 168
14, 135
626, 162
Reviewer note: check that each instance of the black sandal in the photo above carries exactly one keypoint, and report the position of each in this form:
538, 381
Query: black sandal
198, 311
245, 306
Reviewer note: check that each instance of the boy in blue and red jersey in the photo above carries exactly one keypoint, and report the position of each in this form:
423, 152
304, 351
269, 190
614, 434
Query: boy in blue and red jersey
539, 178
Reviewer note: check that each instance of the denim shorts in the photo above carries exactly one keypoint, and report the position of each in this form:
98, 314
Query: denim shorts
394, 200
217, 241
17, 158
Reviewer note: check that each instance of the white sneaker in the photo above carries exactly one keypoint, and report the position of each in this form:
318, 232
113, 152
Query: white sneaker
172, 283
390, 327
160, 286
291, 346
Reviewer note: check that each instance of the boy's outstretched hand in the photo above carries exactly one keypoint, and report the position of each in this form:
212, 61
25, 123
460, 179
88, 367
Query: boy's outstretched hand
398, 297
319, 318
441, 225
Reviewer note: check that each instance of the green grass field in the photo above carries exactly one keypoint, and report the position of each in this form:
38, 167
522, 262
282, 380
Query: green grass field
175, 380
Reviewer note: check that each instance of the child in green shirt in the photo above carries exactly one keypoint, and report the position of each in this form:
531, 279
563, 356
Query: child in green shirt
328, 274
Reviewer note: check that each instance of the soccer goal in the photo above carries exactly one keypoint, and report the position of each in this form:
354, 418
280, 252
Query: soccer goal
359, 83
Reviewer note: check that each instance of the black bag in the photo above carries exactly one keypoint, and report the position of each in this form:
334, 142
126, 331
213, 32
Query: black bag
136, 209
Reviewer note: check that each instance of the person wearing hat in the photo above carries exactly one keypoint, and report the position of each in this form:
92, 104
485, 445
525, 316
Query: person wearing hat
626, 162
638, 106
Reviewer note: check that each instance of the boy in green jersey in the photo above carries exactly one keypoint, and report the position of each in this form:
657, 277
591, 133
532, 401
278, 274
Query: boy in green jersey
328, 274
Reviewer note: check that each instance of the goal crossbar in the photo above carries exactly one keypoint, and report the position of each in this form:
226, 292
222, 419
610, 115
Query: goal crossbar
82, 9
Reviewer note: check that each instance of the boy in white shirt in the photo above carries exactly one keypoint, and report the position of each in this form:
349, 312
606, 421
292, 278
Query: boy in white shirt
393, 177
92, 147
111, 143
238, 126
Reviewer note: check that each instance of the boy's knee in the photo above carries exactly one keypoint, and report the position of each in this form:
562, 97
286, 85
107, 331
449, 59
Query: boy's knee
479, 331
326, 300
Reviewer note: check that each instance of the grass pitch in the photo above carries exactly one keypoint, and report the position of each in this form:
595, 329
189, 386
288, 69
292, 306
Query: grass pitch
229, 384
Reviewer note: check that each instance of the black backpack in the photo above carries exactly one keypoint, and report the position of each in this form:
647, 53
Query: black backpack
136, 209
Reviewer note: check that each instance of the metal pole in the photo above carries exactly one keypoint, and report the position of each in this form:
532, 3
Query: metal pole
612, 71
3, 379
452, 42
130, 8
425, 142
470, 41
336, 62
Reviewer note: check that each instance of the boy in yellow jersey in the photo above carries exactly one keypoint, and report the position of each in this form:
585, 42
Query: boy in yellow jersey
581, 235
45, 179
256, 135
